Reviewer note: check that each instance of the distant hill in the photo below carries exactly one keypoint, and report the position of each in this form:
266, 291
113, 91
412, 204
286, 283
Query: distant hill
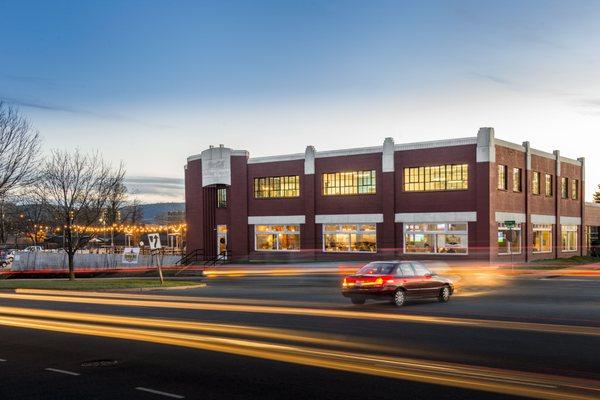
150, 211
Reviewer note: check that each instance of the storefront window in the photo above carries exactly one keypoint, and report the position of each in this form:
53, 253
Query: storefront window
442, 238
350, 238
509, 239
542, 238
569, 237
277, 237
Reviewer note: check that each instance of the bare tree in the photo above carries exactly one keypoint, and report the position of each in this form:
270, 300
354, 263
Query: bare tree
34, 216
78, 187
19, 148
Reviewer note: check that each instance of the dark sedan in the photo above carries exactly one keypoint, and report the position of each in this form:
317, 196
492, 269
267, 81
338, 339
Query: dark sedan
397, 280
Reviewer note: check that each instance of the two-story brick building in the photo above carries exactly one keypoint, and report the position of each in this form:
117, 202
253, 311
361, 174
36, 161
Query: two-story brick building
477, 197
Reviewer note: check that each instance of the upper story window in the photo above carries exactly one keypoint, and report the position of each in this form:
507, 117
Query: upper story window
574, 189
352, 182
277, 186
548, 186
535, 183
564, 188
502, 177
438, 177
517, 184
222, 197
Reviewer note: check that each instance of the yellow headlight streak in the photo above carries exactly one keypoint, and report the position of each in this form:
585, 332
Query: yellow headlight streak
133, 301
449, 374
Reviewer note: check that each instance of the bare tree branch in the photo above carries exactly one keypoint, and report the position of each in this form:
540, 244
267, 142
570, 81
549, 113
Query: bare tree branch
19, 149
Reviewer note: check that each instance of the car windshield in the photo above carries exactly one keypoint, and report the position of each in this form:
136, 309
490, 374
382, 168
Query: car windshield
377, 269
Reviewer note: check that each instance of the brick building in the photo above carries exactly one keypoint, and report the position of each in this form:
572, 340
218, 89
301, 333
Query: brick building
478, 197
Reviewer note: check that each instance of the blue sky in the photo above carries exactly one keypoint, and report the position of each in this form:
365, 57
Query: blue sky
151, 82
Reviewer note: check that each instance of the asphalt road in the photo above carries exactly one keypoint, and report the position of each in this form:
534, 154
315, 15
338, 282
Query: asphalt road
511, 332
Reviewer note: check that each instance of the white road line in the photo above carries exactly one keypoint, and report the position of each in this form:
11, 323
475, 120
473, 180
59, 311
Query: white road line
2, 360
171, 395
62, 371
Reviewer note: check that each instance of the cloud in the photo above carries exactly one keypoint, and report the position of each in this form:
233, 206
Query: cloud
146, 187
589, 106
493, 78
79, 111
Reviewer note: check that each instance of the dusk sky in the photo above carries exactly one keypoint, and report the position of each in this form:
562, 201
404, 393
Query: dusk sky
152, 82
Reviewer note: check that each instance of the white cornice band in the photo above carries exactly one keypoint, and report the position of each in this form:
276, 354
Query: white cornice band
461, 216
349, 218
276, 219
540, 219
502, 216
570, 220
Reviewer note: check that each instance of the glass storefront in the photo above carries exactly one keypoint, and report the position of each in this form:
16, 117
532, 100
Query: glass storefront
350, 238
438, 238
542, 238
277, 237
569, 237
509, 240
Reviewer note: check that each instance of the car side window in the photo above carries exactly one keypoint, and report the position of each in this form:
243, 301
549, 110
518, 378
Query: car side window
421, 270
405, 270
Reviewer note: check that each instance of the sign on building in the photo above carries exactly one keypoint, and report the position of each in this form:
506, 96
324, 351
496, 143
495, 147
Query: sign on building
154, 241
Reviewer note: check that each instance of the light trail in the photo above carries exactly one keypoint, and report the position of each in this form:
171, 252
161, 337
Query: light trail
314, 312
224, 329
449, 374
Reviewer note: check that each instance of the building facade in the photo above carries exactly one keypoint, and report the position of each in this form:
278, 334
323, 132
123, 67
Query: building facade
478, 197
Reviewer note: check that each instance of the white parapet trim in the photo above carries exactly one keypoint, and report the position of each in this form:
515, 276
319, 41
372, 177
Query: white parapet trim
502, 216
540, 219
458, 216
570, 220
349, 218
276, 219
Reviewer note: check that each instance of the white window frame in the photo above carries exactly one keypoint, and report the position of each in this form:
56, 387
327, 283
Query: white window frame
446, 231
517, 227
543, 228
569, 228
358, 231
277, 233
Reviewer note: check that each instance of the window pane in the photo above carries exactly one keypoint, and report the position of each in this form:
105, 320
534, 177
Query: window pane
406, 270
336, 242
363, 243
517, 187
437, 177
266, 242
277, 186
535, 183
452, 244
419, 243
289, 242
349, 183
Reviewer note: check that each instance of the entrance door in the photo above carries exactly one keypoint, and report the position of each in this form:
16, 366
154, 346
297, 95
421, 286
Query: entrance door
222, 241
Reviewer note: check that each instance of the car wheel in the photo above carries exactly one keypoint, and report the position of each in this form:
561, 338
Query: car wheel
358, 300
4, 264
399, 298
444, 295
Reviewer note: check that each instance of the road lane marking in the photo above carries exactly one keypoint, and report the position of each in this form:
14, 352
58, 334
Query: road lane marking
62, 371
2, 360
173, 396
323, 312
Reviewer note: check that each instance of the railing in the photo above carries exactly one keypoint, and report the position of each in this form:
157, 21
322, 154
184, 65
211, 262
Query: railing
193, 256
220, 258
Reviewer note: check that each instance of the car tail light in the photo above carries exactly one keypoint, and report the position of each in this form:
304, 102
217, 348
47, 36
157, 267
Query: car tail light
379, 281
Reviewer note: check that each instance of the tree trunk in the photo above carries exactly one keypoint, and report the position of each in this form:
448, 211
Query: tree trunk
71, 257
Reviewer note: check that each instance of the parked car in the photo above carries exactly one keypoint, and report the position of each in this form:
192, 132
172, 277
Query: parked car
397, 281
32, 249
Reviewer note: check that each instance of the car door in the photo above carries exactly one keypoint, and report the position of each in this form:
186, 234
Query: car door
429, 285
410, 282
